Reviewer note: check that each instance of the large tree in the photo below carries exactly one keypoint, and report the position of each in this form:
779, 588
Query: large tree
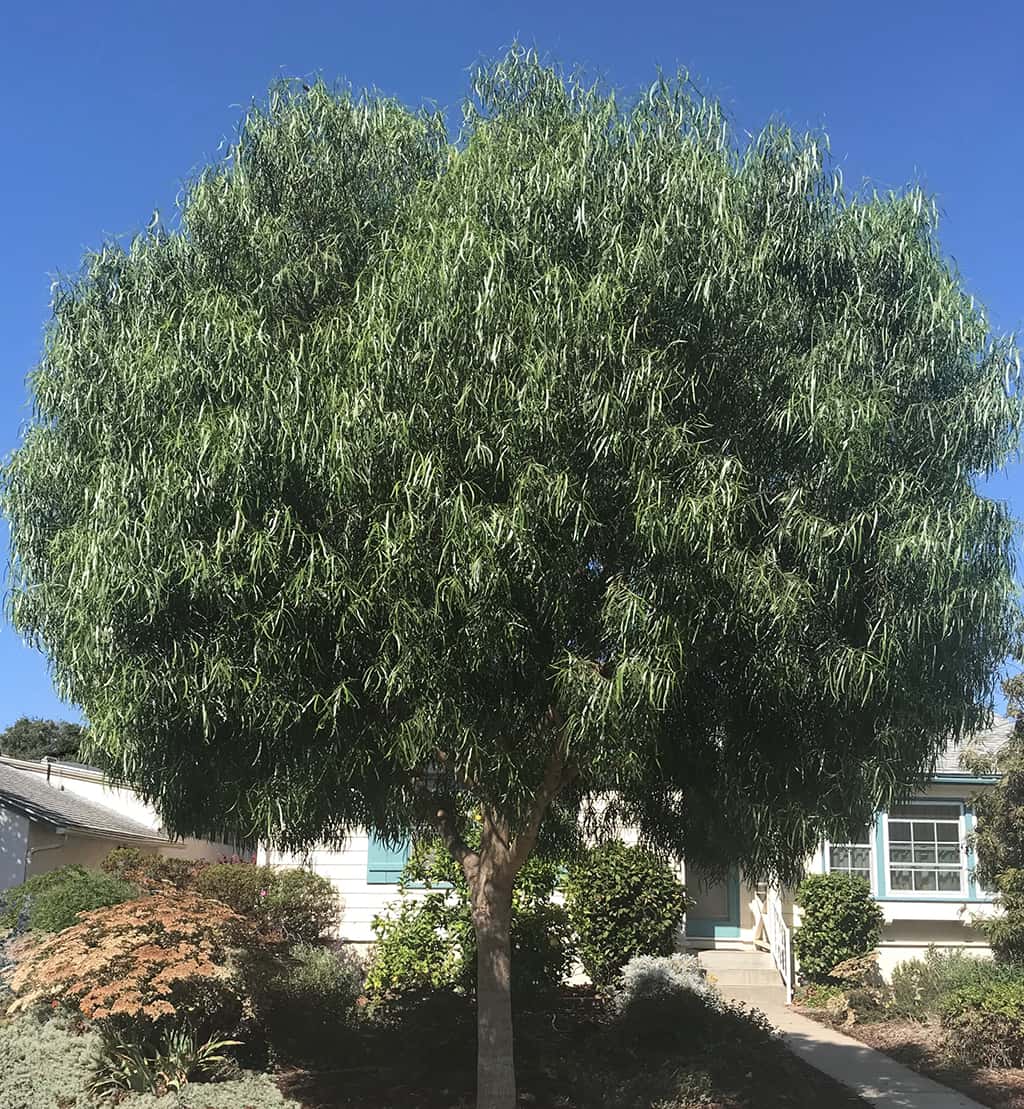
590, 451
32, 738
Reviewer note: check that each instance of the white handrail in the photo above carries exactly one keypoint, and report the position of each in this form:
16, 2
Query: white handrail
780, 941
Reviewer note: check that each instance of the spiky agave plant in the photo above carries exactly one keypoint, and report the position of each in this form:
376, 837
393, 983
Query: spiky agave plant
593, 451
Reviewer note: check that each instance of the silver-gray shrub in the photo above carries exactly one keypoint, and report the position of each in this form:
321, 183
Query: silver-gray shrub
46, 1065
662, 977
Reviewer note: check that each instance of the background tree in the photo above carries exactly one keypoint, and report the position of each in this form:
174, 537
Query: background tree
32, 738
591, 451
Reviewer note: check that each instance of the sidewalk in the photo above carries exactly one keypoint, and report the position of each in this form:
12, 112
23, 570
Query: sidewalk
878, 1079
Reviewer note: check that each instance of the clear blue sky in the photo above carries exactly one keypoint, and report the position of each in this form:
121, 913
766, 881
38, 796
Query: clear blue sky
110, 105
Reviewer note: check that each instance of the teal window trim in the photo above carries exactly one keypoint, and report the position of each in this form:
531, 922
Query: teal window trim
884, 893
384, 861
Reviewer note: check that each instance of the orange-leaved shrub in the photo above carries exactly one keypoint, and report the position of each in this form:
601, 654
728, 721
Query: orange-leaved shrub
158, 961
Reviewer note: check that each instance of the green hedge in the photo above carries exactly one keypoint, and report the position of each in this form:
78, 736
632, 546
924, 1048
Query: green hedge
51, 902
840, 921
622, 902
984, 1023
297, 905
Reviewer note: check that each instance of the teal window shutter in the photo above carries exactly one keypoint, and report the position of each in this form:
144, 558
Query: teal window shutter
385, 862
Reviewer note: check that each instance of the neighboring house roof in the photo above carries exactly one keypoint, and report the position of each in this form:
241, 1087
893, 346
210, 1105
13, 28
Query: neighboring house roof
989, 742
29, 794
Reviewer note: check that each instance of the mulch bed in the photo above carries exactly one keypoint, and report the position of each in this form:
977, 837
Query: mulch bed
568, 1057
918, 1046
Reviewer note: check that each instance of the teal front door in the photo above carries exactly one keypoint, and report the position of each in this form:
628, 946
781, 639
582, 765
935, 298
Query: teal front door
715, 912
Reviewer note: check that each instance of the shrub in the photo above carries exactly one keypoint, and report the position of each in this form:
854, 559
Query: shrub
663, 1003
818, 995
308, 1003
984, 1023
428, 943
421, 945
53, 900
152, 871
298, 905
166, 1066
919, 986
250, 1091
1005, 931
141, 967
46, 1065
840, 921
622, 902
659, 976
51, 1064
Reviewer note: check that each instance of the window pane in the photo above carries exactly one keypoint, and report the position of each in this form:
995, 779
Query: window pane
899, 829
949, 880
865, 874
949, 855
899, 854
947, 833
924, 854
840, 858
860, 857
925, 880
901, 879
924, 831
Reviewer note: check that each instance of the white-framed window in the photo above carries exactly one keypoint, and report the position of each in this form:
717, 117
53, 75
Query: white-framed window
851, 858
925, 849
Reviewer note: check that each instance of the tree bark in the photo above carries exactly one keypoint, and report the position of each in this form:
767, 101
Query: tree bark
492, 922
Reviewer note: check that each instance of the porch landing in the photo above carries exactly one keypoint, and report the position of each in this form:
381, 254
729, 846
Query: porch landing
751, 978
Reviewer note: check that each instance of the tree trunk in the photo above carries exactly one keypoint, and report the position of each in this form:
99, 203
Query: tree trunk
492, 920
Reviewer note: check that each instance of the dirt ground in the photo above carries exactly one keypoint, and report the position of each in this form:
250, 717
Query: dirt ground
917, 1046
569, 1057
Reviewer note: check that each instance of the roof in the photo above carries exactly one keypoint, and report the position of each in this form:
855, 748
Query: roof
30, 795
988, 742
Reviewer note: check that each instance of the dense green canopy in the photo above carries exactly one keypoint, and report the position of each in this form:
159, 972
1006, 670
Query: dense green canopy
31, 738
401, 461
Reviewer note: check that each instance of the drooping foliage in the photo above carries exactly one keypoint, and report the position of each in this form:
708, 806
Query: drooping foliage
400, 461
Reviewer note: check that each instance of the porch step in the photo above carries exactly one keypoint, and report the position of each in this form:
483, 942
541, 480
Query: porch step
745, 969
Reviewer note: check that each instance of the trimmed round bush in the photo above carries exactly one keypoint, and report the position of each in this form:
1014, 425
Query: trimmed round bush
51, 902
622, 902
298, 905
840, 921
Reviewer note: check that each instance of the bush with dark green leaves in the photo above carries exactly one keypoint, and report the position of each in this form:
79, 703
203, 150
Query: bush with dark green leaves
840, 921
622, 902
984, 1023
51, 902
297, 905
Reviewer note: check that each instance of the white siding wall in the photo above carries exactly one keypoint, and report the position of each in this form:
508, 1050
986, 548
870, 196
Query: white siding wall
14, 829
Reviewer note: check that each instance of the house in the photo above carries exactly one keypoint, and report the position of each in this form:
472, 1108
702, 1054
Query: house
54, 813
915, 856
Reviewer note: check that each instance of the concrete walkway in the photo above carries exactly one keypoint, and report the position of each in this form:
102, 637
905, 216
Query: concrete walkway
879, 1080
